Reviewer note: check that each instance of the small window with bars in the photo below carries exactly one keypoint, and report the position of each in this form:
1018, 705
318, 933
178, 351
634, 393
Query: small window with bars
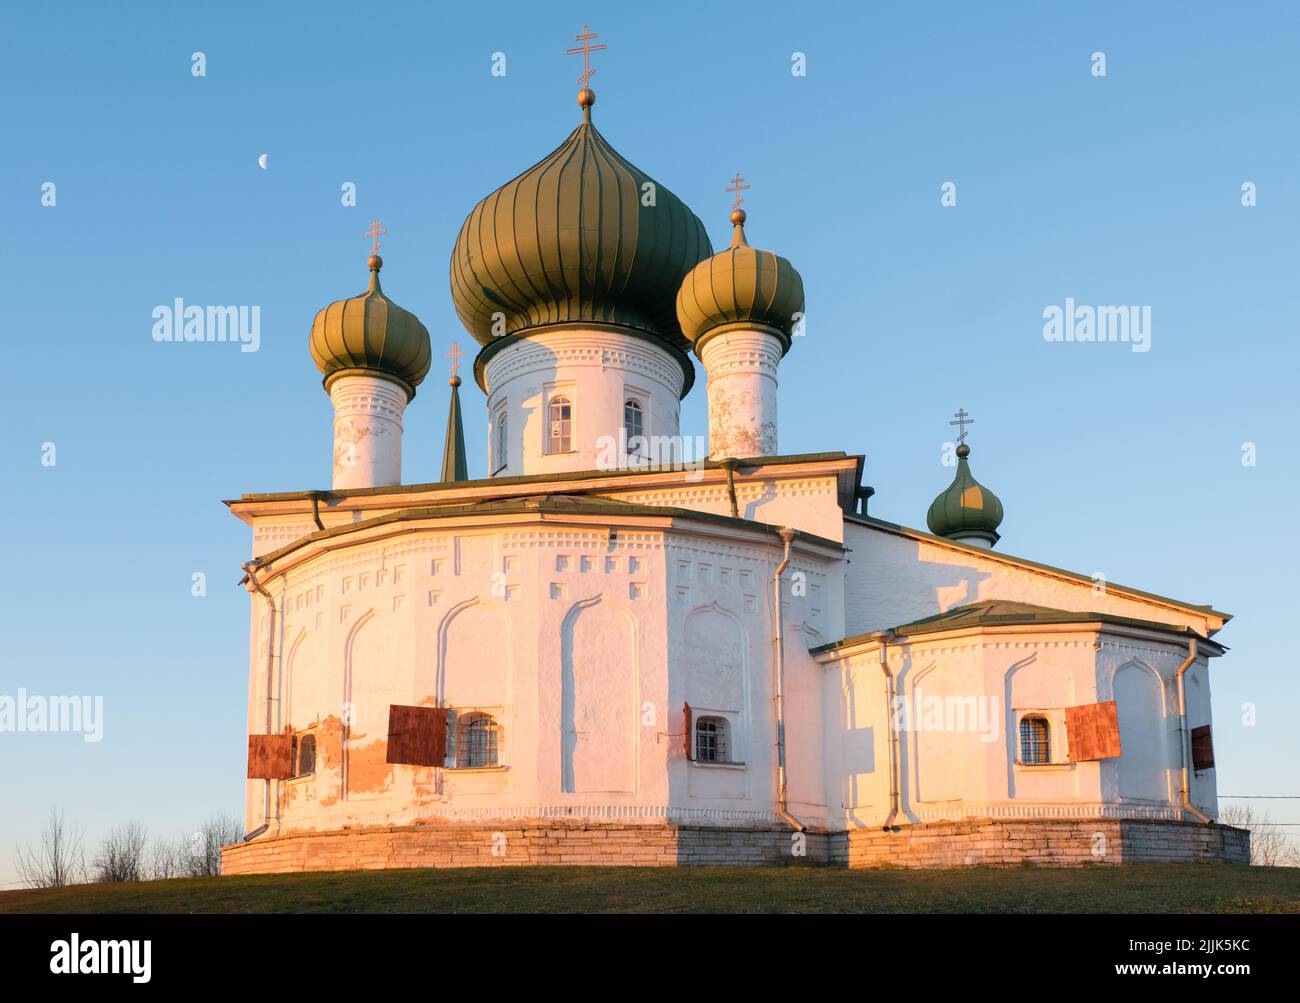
477, 741
561, 433
711, 740
1035, 741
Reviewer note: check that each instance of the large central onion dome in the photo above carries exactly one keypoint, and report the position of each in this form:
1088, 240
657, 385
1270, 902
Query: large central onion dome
583, 236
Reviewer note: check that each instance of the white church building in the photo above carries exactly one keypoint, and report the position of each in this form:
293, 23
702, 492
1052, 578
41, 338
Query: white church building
617, 649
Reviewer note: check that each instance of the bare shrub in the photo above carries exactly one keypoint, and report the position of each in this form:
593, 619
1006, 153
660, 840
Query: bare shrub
58, 858
1269, 844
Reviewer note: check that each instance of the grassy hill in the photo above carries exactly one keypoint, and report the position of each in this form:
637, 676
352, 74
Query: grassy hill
1151, 888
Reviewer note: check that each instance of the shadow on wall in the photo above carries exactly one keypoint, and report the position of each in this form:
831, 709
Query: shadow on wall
900, 587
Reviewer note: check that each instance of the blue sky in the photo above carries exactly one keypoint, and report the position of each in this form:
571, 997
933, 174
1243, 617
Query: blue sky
1117, 190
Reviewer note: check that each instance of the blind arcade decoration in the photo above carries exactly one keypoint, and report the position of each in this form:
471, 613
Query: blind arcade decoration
1092, 731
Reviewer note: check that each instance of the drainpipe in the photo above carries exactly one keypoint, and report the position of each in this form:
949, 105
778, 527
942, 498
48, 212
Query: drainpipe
250, 569
1184, 738
315, 509
730, 464
787, 536
892, 733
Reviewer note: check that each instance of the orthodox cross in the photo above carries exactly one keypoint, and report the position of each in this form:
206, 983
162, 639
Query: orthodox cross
738, 185
963, 419
586, 48
375, 230
454, 355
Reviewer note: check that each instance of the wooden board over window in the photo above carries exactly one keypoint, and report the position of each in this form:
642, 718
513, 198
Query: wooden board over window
1202, 749
270, 757
1092, 731
417, 736
690, 731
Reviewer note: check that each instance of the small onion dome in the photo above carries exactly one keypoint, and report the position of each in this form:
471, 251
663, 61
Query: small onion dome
582, 236
741, 285
371, 334
966, 508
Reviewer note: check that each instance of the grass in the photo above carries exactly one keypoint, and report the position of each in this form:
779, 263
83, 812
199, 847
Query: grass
1143, 888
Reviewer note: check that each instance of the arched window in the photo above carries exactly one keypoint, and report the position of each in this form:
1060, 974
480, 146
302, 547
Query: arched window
502, 450
711, 745
476, 741
634, 425
561, 439
304, 755
1035, 741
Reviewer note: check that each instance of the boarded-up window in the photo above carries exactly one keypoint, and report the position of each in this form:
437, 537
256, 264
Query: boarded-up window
1202, 749
417, 736
690, 731
1092, 731
270, 757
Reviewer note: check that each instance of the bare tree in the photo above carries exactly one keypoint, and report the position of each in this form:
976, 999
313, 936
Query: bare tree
165, 859
202, 852
57, 860
1269, 844
121, 856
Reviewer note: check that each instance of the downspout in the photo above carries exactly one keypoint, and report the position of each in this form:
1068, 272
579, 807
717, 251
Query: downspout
315, 509
250, 569
787, 536
730, 464
1184, 737
891, 731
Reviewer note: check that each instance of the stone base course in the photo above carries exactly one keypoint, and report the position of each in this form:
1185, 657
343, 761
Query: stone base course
1054, 842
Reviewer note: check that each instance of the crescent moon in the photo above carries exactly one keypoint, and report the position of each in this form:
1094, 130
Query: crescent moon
261, 161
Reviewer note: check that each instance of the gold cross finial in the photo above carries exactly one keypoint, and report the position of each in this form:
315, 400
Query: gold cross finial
376, 228
586, 48
738, 185
455, 356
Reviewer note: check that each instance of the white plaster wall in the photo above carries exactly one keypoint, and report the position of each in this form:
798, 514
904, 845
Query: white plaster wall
597, 369
952, 772
367, 431
893, 580
742, 387
584, 650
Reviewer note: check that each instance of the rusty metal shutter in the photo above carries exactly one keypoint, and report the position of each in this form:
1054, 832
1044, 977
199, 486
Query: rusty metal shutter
1202, 749
1092, 731
417, 736
690, 731
270, 757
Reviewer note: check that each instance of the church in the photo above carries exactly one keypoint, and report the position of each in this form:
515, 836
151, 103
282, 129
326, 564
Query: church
629, 647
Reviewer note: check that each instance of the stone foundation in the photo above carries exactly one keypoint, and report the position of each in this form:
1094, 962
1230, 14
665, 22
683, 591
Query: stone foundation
1054, 842
1045, 842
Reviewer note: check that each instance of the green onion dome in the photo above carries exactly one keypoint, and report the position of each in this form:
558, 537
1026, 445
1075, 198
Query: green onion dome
966, 508
741, 285
583, 236
371, 334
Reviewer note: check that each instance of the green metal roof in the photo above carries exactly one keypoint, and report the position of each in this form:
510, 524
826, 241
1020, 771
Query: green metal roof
1007, 613
581, 236
574, 505
577, 475
454, 468
965, 508
741, 285
371, 333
